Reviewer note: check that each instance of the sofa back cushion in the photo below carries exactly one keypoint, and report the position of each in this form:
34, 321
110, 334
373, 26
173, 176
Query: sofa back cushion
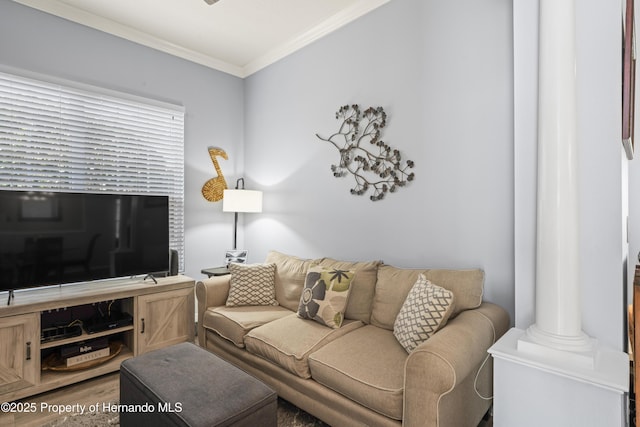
362, 288
467, 286
289, 279
394, 284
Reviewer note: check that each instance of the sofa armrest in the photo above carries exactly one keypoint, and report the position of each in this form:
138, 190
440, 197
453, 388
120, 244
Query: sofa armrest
211, 292
452, 356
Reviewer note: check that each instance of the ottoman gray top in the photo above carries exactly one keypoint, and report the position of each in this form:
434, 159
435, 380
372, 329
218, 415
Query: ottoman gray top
210, 390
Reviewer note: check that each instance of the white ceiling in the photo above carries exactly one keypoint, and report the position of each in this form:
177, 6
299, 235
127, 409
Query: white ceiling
238, 37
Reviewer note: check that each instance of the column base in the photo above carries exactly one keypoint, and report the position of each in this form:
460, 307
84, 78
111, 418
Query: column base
579, 350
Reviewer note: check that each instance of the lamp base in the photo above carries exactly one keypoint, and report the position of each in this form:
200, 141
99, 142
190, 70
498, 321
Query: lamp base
236, 255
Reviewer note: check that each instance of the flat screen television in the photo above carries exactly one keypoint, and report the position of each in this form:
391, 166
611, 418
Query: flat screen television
51, 238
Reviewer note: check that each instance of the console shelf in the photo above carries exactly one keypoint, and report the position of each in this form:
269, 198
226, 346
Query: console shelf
163, 314
61, 378
84, 337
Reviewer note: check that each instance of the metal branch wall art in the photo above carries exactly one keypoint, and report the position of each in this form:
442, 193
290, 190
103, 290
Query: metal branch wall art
374, 166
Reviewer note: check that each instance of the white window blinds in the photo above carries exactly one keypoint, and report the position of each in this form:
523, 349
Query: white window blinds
66, 138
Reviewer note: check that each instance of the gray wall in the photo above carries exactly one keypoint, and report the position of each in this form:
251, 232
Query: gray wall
442, 70
41, 43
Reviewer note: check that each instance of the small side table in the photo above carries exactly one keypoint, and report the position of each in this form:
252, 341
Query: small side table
215, 271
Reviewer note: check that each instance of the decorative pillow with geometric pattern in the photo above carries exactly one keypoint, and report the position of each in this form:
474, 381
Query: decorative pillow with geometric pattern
425, 310
325, 294
252, 284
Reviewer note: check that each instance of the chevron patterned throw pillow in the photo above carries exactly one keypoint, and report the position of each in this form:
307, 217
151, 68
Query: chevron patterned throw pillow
252, 284
426, 309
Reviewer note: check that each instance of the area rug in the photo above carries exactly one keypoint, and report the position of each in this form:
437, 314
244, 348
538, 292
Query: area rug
288, 416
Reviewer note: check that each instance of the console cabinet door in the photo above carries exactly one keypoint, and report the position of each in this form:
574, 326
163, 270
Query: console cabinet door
19, 352
164, 319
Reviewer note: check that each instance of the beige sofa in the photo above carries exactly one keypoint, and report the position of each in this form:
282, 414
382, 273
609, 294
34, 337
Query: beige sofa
359, 374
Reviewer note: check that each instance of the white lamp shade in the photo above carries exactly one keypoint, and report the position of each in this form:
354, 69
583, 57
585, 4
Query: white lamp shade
242, 201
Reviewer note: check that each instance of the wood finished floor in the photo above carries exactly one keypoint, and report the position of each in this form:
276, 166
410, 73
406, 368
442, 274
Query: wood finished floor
97, 390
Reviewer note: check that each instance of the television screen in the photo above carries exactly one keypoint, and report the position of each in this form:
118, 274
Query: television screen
49, 238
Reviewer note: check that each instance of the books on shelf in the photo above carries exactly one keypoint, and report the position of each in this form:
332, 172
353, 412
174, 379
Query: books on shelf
87, 357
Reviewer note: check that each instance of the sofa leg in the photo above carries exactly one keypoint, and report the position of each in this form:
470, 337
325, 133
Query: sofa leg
487, 416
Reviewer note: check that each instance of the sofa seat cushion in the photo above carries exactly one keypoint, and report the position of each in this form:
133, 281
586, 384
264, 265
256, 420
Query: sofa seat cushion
366, 366
288, 341
233, 323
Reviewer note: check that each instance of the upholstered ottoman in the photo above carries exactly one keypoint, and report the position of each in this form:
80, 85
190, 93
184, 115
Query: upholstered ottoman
185, 385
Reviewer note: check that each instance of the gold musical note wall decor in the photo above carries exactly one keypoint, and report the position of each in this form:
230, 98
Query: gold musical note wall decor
213, 189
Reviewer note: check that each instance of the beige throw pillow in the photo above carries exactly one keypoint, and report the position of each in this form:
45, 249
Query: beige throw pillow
325, 295
362, 288
252, 284
426, 309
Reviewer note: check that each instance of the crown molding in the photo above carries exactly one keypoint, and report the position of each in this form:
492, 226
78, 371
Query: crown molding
328, 26
79, 16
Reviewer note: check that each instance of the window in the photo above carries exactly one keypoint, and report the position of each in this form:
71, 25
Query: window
68, 137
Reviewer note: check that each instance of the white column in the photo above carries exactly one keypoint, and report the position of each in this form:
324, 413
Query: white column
558, 315
536, 370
